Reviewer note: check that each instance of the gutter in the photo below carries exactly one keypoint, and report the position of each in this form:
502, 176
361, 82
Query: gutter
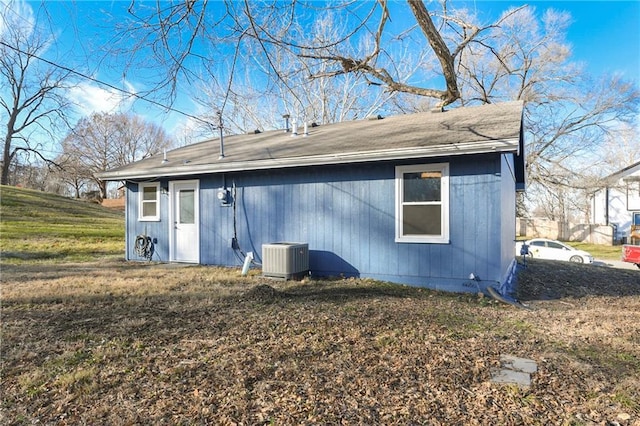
468, 148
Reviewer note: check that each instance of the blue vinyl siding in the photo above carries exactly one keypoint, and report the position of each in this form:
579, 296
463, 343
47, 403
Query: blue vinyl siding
154, 229
347, 216
475, 217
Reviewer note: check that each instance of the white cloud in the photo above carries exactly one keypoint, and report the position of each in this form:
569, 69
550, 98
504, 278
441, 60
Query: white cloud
16, 14
89, 98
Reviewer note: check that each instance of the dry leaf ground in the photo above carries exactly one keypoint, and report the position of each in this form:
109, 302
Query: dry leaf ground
129, 343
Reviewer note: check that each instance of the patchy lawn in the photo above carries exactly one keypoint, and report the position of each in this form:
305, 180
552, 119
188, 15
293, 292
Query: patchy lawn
40, 227
122, 343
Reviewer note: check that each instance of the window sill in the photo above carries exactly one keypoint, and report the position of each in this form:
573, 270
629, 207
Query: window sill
422, 240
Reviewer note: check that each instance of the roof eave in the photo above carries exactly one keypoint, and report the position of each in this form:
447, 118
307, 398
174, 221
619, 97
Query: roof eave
620, 174
468, 148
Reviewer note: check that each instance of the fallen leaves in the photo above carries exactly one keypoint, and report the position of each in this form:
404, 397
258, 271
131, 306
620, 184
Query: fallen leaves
256, 351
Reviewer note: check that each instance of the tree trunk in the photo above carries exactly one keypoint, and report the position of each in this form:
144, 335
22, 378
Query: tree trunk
439, 47
103, 189
7, 155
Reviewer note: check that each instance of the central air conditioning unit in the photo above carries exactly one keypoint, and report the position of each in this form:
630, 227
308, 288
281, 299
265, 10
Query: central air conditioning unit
285, 260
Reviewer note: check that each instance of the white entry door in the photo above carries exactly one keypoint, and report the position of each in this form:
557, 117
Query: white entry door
184, 221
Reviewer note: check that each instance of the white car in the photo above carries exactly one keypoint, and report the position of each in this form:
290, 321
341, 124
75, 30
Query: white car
542, 248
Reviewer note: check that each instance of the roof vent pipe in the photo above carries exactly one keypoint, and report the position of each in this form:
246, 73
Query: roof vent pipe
306, 129
221, 145
221, 136
286, 122
295, 128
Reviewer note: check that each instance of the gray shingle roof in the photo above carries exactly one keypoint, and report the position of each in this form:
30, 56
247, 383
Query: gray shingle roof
469, 130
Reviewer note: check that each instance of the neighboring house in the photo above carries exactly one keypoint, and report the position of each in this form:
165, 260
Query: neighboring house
424, 199
618, 203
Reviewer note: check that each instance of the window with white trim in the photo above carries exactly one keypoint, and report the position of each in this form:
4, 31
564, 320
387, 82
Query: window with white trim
422, 203
149, 201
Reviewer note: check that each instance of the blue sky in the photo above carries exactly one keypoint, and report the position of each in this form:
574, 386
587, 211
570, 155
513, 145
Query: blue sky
605, 35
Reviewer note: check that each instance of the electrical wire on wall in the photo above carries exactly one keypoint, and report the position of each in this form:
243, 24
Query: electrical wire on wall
240, 254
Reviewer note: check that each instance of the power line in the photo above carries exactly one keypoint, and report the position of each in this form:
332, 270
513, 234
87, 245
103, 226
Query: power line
103, 83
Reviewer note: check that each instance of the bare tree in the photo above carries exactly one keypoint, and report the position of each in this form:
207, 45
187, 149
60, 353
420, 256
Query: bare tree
565, 150
619, 150
34, 176
251, 101
72, 171
188, 36
519, 56
369, 66
138, 138
32, 91
569, 115
105, 141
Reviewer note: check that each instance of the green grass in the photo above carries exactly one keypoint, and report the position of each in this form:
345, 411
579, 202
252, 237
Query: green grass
599, 251
38, 226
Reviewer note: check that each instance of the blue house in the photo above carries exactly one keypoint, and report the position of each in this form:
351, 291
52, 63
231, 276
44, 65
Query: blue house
425, 199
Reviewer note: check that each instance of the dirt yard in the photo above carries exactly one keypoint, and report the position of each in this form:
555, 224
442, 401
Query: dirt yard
114, 203
118, 343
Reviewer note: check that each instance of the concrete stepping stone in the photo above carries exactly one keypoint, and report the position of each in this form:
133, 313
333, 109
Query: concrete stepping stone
514, 370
